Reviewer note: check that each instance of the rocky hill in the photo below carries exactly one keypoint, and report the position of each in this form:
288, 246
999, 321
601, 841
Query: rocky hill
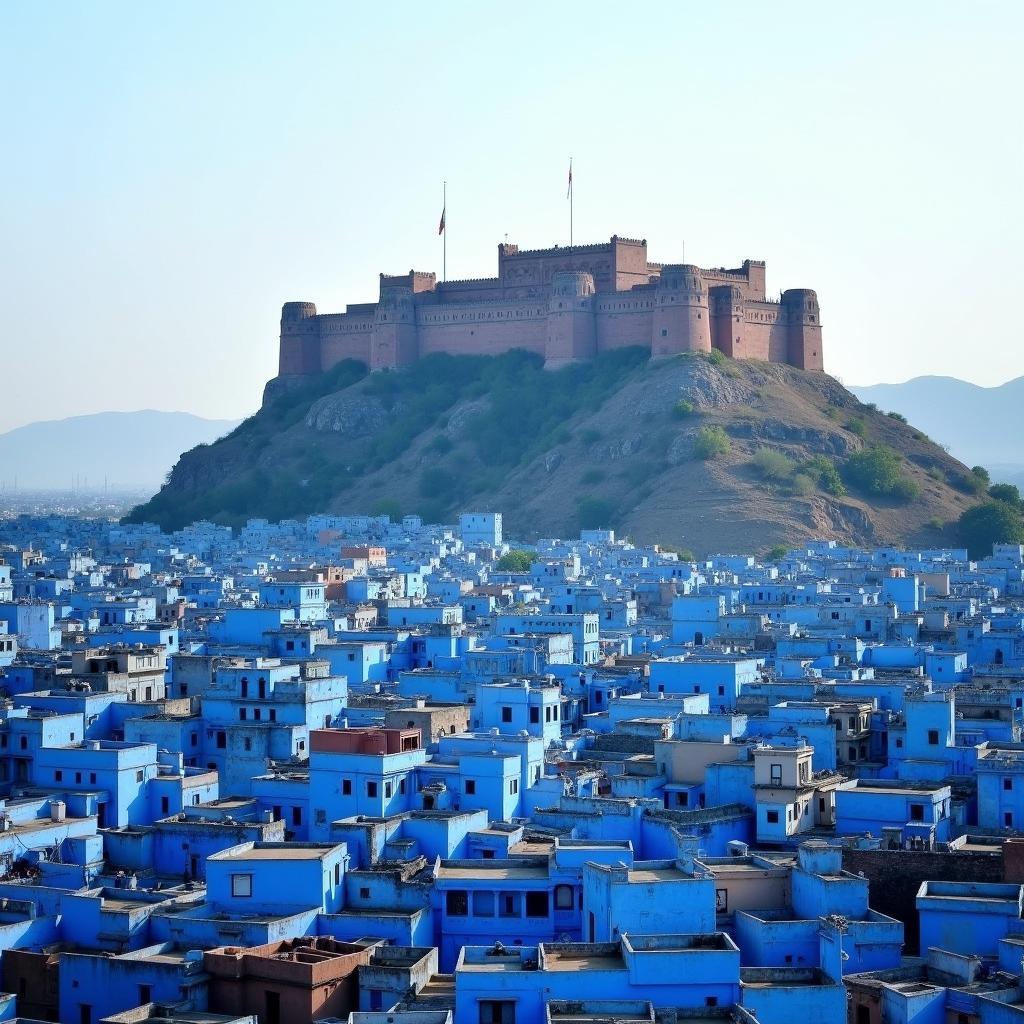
700, 452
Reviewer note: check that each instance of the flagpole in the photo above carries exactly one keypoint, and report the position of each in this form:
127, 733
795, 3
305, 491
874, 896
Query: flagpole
444, 234
570, 204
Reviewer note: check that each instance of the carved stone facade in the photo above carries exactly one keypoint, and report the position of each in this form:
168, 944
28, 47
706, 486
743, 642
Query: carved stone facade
566, 305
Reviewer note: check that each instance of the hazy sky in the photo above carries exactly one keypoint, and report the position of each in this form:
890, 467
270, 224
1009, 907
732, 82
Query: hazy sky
172, 173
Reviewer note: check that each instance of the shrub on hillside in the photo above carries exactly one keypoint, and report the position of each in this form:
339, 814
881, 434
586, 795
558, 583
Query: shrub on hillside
801, 485
878, 471
975, 482
822, 470
711, 442
683, 408
772, 464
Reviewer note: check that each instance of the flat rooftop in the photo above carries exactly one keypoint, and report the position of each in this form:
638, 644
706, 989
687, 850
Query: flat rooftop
667, 874
275, 851
573, 960
485, 871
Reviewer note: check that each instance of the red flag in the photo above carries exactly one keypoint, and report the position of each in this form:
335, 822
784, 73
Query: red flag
440, 227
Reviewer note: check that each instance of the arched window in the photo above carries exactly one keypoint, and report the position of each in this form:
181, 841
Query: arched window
563, 897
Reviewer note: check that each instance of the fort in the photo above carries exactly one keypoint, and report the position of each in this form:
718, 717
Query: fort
566, 304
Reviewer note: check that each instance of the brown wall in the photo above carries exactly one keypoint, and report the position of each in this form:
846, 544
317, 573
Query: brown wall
32, 977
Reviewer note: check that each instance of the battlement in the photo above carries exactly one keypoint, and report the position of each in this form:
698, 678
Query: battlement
566, 304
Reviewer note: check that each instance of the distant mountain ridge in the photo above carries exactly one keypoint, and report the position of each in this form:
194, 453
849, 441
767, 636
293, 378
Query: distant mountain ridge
129, 450
979, 425
700, 452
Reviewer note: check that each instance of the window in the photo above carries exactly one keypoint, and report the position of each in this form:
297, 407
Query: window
1008, 819
509, 904
371, 789
58, 776
387, 790
536, 904
241, 886
242, 714
1007, 784
933, 737
563, 897
772, 817
776, 774
506, 714
145, 994
364, 892
273, 714
165, 805
296, 815
247, 743
346, 787
140, 775
721, 901
78, 776
195, 739
917, 812
24, 743
337, 874
534, 715
222, 740
470, 787
321, 816
513, 787
257, 714
456, 902
498, 1011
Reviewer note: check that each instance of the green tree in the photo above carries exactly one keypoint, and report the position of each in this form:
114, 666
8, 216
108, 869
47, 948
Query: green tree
1005, 492
516, 560
878, 470
994, 522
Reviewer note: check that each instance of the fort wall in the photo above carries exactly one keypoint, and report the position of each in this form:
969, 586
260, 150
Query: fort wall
564, 304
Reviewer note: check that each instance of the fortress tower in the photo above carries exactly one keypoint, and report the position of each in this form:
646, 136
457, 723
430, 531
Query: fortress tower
300, 340
570, 320
804, 322
681, 319
565, 305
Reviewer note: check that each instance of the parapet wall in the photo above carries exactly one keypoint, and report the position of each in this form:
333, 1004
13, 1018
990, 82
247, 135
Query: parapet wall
564, 304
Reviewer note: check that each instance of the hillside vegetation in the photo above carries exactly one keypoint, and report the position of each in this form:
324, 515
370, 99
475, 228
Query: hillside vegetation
701, 452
